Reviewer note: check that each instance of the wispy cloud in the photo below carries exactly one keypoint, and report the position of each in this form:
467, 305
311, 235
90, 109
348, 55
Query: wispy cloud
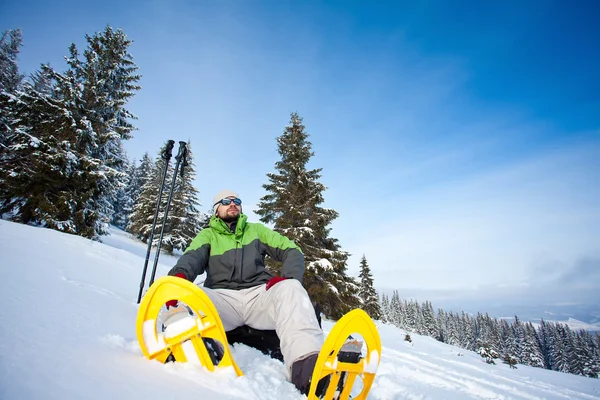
526, 223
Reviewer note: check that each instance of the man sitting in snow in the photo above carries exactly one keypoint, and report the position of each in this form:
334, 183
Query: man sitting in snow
232, 252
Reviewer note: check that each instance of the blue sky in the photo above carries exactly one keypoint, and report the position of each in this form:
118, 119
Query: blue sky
459, 141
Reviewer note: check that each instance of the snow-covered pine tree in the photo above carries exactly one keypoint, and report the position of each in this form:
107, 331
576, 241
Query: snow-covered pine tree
401, 310
69, 140
293, 204
415, 317
441, 326
494, 333
10, 82
184, 219
142, 215
507, 338
132, 189
367, 293
545, 333
514, 346
41, 181
532, 350
42, 80
467, 340
487, 352
569, 354
429, 321
453, 329
581, 357
395, 314
121, 198
591, 355
105, 79
385, 309
563, 349
10, 46
139, 175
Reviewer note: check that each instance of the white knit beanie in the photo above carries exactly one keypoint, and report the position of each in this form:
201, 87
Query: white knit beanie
220, 196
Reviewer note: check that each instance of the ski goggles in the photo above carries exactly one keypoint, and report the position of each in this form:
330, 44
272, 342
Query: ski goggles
227, 202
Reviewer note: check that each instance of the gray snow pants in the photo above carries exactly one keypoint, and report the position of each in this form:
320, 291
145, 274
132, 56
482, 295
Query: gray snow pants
285, 307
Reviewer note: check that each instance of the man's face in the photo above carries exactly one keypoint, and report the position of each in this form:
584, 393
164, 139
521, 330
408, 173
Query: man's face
229, 212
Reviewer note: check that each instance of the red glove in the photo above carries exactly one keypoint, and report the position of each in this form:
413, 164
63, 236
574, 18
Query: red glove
173, 303
274, 280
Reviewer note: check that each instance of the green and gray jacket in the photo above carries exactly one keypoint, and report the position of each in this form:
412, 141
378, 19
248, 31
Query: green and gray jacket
237, 260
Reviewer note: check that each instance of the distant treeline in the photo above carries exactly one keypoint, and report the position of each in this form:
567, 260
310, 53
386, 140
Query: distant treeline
552, 345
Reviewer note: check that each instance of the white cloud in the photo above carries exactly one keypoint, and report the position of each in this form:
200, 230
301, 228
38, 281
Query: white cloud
502, 227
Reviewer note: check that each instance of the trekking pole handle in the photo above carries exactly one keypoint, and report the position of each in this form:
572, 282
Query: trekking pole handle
182, 156
166, 155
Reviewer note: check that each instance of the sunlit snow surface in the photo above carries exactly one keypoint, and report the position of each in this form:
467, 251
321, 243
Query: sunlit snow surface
67, 323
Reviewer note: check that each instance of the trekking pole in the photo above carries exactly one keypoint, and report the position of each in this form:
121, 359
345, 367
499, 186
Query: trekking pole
181, 158
166, 156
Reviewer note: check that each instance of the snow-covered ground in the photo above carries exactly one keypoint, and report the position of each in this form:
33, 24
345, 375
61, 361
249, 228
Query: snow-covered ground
67, 331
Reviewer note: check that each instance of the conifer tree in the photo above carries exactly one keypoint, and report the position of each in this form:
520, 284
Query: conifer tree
545, 333
139, 175
468, 340
42, 80
121, 199
42, 177
580, 355
367, 293
385, 309
590, 355
126, 199
142, 215
487, 352
452, 329
505, 337
67, 160
395, 314
429, 323
532, 350
414, 317
441, 326
515, 344
104, 81
494, 333
401, 310
10, 82
293, 204
10, 45
565, 349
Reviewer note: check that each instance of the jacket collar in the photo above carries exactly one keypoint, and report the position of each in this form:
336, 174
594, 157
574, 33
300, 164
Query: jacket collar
217, 224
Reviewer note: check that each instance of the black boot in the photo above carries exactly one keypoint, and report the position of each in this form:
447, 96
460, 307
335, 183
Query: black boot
302, 371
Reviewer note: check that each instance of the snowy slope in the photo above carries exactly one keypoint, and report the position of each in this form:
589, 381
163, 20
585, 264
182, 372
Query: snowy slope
68, 332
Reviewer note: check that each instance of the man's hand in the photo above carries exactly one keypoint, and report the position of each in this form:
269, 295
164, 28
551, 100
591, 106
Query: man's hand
173, 303
273, 281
